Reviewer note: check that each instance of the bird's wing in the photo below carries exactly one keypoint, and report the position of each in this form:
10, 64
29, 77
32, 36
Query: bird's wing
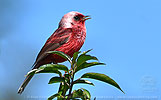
58, 38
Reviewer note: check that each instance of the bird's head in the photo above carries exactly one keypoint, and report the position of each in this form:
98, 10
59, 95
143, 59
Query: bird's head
73, 19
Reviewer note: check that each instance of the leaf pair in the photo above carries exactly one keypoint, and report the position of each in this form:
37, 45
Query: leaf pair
81, 61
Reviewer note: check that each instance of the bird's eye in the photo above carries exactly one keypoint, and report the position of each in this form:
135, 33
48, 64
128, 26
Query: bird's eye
76, 18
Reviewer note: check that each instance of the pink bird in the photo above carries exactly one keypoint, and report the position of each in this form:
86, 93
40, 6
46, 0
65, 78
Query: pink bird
68, 38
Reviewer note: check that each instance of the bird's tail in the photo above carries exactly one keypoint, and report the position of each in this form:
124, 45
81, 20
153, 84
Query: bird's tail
24, 84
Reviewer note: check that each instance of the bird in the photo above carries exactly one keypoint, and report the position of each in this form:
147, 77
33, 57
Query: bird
67, 38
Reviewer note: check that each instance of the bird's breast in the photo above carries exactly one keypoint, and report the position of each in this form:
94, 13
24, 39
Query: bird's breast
75, 42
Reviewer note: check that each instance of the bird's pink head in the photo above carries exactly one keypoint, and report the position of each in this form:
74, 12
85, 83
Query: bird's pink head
73, 18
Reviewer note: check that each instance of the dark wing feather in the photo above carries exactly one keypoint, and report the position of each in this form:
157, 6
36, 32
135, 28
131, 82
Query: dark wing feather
58, 38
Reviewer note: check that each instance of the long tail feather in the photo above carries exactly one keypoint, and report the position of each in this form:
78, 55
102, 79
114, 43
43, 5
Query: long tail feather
24, 84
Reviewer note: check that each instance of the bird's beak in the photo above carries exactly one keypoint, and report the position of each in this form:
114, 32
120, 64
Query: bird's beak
86, 18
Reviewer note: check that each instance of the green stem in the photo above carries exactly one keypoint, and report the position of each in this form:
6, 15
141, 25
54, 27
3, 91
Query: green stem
71, 86
70, 92
72, 80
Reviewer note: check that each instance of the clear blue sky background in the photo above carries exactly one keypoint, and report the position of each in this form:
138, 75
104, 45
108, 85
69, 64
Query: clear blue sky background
124, 34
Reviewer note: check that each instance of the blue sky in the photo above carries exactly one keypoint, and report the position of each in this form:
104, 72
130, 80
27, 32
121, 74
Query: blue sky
124, 34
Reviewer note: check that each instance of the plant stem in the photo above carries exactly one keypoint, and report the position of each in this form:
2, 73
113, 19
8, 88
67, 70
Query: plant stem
70, 90
72, 79
71, 86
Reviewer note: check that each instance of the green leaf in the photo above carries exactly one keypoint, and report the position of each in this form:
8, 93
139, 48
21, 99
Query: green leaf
82, 81
85, 52
77, 94
56, 80
65, 56
83, 58
75, 55
48, 69
86, 65
86, 94
54, 96
103, 78
81, 93
54, 67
